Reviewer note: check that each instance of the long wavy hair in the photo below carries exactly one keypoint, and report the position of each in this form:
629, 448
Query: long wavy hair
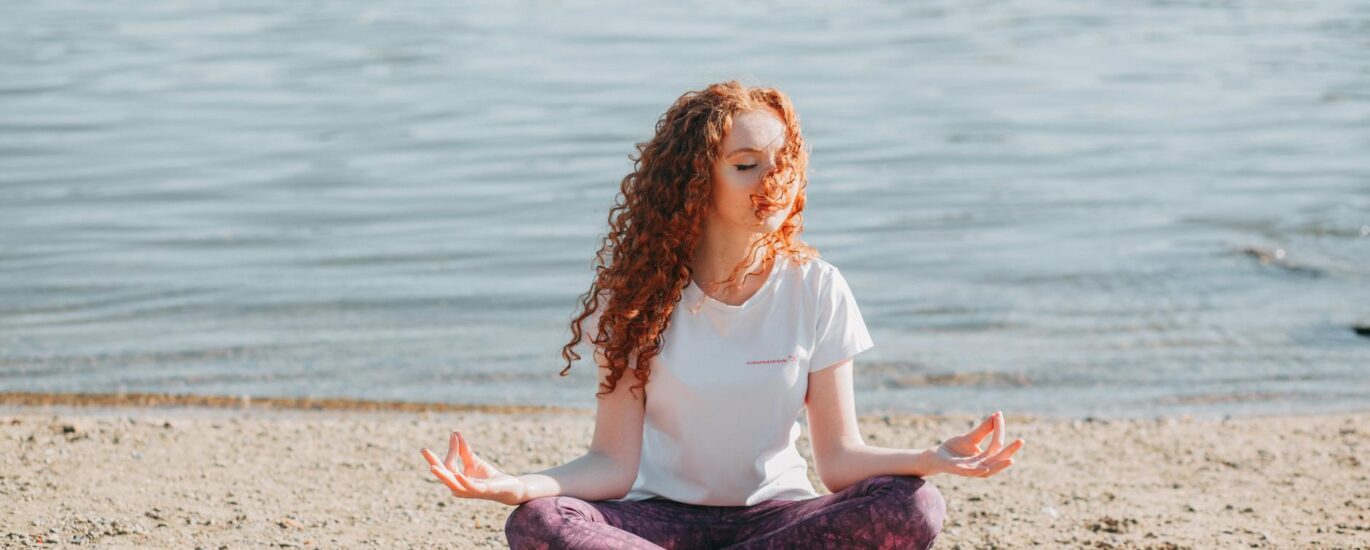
643, 264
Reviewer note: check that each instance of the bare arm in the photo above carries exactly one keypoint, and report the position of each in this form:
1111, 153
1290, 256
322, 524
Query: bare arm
609, 468
842, 458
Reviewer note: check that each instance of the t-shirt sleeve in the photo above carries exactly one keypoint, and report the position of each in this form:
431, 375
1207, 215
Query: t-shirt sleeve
841, 331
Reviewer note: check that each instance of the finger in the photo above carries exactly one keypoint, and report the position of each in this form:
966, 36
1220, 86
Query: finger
451, 480
962, 445
1007, 452
439, 469
468, 457
451, 461
457, 481
984, 429
474, 486
997, 442
435, 466
999, 430
430, 457
998, 467
967, 469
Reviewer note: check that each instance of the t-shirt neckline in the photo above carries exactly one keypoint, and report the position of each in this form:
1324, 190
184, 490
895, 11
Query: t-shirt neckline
729, 308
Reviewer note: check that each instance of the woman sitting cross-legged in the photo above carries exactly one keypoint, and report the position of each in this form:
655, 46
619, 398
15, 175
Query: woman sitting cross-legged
700, 452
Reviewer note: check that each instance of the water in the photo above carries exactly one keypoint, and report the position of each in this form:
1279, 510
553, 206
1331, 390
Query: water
1041, 207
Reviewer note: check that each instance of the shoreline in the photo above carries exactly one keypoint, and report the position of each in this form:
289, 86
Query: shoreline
164, 400
113, 472
161, 400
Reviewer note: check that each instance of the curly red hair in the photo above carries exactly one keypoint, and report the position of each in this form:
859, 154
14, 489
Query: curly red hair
656, 221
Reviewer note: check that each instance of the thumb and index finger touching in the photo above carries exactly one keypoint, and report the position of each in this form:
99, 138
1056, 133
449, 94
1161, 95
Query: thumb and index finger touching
994, 424
447, 470
468, 457
457, 448
453, 479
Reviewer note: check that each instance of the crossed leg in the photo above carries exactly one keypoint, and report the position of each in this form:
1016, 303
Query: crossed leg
884, 512
568, 522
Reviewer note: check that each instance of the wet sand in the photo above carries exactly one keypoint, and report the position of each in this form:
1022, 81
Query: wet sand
187, 472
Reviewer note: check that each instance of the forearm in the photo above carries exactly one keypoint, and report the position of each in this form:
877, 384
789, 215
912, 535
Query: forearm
851, 464
592, 476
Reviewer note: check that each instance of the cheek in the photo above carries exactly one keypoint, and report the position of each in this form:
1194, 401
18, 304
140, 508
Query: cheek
731, 190
727, 199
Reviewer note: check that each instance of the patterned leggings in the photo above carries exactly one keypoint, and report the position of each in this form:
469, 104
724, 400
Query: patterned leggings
885, 511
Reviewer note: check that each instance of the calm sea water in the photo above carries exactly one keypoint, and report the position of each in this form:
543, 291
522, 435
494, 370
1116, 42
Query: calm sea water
1050, 207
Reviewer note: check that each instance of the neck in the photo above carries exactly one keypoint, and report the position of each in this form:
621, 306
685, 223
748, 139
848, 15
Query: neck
720, 250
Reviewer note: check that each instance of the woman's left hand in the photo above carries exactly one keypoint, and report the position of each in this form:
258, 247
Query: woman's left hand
961, 455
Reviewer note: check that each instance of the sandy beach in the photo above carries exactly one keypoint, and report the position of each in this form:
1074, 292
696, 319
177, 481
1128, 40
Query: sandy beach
175, 472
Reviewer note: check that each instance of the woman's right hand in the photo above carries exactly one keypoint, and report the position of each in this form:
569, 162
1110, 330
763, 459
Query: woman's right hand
477, 478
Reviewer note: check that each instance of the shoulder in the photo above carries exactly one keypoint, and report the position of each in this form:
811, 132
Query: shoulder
816, 272
819, 277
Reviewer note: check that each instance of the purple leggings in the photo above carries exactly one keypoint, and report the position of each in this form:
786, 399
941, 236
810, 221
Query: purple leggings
885, 511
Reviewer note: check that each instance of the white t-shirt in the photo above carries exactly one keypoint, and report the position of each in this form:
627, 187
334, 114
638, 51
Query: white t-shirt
727, 389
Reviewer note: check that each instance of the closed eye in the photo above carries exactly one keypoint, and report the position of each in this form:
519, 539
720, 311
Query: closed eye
744, 167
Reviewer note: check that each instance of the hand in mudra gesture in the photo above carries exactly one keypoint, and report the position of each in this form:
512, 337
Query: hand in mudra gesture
961, 455
476, 478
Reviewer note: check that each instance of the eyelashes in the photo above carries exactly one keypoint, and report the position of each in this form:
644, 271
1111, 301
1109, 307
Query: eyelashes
744, 167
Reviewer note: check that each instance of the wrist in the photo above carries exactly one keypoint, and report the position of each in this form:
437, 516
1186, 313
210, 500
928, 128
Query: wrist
521, 492
925, 463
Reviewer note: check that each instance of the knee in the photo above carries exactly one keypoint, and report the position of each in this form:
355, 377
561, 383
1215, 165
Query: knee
930, 502
536, 511
533, 521
545, 522
925, 506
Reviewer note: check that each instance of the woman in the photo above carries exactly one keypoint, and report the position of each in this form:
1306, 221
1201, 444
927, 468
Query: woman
710, 460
